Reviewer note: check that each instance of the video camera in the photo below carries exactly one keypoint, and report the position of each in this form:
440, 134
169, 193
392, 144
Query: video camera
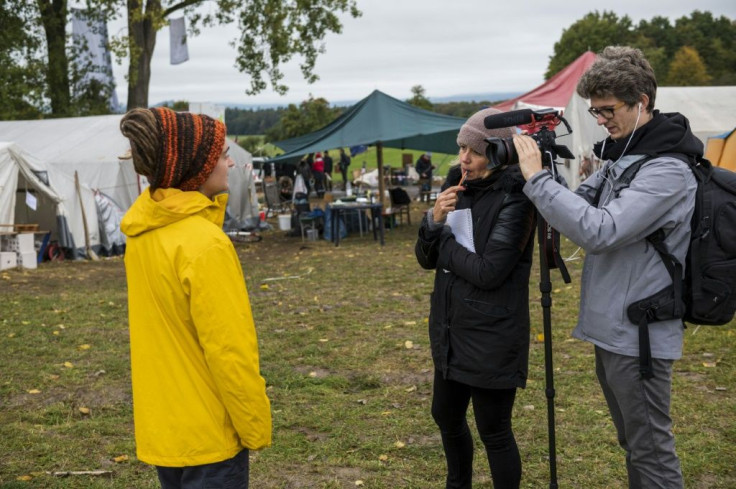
539, 124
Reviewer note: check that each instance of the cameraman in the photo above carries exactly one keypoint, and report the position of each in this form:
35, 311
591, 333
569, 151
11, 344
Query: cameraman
621, 267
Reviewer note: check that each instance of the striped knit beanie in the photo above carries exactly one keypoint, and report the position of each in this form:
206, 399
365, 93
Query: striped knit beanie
473, 133
190, 146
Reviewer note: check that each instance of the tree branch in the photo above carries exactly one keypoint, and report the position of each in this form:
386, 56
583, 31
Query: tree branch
179, 6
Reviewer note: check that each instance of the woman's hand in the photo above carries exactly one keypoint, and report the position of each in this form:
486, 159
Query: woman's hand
530, 158
445, 203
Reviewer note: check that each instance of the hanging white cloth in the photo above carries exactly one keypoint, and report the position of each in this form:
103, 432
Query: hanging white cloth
90, 36
179, 52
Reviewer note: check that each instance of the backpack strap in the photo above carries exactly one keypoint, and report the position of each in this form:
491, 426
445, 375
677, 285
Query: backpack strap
667, 303
626, 177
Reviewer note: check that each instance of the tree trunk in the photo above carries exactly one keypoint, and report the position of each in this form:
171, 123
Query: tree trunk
53, 17
143, 42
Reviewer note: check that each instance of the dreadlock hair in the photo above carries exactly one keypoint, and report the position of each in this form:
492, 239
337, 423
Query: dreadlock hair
173, 149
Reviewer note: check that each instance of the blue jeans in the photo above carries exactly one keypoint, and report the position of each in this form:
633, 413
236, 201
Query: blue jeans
228, 474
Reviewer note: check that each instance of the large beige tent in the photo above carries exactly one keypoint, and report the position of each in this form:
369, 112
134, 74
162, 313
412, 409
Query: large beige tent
92, 146
33, 192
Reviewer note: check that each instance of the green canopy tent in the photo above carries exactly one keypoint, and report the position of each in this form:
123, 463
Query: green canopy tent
382, 121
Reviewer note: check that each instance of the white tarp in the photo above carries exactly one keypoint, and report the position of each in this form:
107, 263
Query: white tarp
93, 145
58, 207
710, 110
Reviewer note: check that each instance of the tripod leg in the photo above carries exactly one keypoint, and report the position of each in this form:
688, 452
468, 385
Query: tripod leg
545, 287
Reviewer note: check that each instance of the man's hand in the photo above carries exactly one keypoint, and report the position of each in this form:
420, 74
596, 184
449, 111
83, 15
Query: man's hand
445, 203
530, 158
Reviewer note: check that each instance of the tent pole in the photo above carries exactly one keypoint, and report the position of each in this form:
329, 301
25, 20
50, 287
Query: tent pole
381, 186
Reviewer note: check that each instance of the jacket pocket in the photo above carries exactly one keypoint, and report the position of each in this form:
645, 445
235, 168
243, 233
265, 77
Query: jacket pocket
488, 309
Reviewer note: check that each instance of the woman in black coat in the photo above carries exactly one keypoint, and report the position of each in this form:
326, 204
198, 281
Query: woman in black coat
479, 318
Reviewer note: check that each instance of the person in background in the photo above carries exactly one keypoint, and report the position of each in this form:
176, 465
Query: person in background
424, 168
199, 401
479, 312
621, 266
328, 170
318, 172
344, 164
304, 168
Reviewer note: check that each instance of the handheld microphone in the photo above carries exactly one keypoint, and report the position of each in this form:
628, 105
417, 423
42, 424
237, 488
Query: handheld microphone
509, 119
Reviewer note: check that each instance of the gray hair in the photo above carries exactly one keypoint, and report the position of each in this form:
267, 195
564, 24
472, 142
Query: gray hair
622, 72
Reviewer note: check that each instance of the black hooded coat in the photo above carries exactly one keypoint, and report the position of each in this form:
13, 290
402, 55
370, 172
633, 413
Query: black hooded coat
479, 317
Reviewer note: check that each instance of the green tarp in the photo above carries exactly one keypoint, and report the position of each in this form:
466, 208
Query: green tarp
379, 118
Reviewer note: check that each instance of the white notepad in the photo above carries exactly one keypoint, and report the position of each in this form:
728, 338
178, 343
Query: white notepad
461, 223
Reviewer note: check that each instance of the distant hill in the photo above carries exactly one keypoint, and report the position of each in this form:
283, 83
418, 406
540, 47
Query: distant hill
470, 97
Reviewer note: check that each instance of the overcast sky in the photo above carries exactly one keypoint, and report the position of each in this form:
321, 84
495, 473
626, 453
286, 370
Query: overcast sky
450, 47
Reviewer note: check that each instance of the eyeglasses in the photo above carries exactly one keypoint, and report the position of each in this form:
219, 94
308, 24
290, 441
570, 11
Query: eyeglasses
606, 112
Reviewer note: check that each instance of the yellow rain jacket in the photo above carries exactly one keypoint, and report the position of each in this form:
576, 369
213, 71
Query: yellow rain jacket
198, 395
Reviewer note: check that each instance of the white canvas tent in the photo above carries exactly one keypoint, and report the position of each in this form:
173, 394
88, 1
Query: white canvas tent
92, 146
26, 182
710, 110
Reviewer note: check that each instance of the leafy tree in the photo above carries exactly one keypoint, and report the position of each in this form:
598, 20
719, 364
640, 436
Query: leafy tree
21, 72
53, 17
687, 69
418, 98
177, 105
312, 114
713, 39
593, 32
251, 121
271, 33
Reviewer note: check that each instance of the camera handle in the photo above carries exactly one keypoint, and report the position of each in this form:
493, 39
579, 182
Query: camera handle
549, 257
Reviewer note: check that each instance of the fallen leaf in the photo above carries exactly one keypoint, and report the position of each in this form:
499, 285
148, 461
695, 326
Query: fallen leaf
68, 365
540, 337
84, 347
264, 286
411, 389
409, 323
34, 391
312, 374
383, 457
24, 478
709, 364
408, 344
11, 335
84, 410
323, 340
55, 333
359, 482
120, 458
399, 444
25, 323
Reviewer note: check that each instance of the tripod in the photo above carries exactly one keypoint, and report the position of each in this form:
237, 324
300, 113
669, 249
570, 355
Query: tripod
549, 257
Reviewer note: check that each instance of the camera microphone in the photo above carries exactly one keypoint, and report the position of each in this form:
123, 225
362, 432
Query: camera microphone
509, 119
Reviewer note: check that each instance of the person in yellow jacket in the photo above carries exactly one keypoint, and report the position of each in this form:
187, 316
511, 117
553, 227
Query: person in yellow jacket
199, 401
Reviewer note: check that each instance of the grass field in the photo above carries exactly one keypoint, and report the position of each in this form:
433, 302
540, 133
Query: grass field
344, 350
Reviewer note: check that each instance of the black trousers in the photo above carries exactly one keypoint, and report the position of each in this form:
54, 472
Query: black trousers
228, 474
492, 409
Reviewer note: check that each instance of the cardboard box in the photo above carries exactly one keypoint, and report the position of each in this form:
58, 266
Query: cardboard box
8, 259
25, 242
28, 260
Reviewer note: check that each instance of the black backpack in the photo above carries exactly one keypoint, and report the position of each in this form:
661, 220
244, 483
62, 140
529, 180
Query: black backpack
707, 295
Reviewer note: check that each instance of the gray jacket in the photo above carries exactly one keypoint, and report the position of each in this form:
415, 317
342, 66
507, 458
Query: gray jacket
620, 266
